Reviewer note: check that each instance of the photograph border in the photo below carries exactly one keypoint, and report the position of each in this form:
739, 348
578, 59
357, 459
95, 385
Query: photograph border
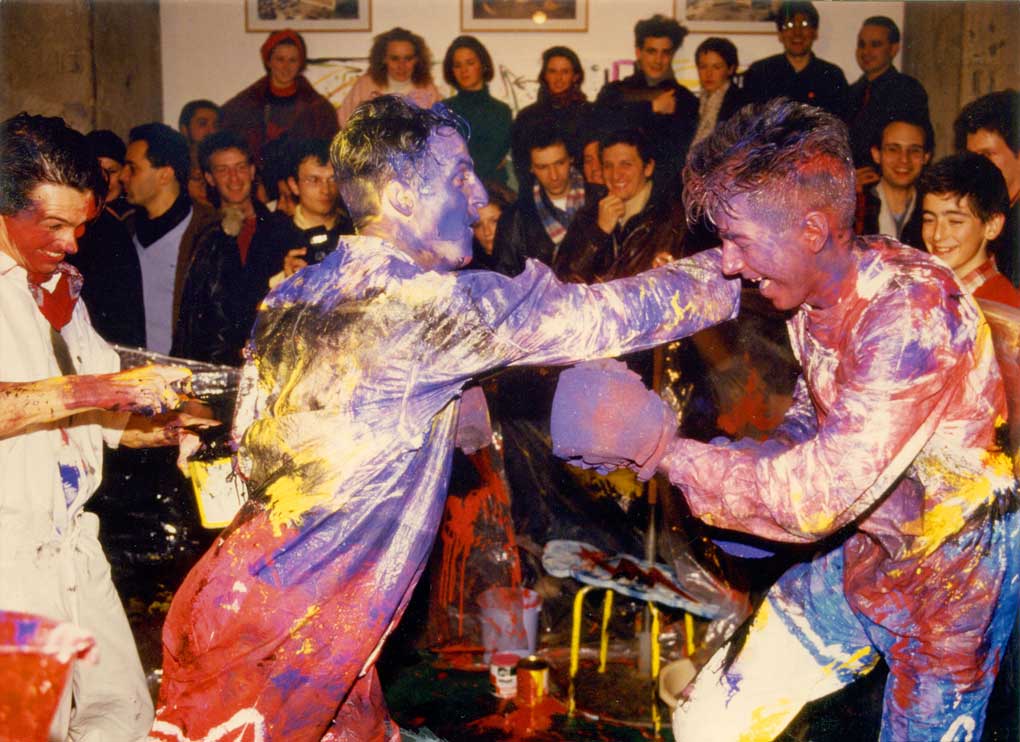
468, 23
722, 27
252, 23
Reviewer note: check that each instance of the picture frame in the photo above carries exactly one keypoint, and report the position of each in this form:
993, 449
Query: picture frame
307, 15
524, 15
727, 16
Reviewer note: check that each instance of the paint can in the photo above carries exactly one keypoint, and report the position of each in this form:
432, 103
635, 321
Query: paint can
503, 674
532, 680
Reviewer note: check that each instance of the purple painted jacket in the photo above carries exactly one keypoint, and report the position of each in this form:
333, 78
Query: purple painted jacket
348, 407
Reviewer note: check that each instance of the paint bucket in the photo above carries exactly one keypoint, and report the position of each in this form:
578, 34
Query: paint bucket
509, 618
503, 675
36, 655
532, 680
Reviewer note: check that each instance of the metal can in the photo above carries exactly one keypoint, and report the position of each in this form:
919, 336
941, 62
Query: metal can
532, 680
503, 674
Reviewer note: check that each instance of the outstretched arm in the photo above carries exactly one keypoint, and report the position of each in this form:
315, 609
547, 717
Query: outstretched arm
146, 390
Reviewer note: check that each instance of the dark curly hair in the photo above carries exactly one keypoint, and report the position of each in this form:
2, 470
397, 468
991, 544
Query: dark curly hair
386, 138
422, 74
39, 150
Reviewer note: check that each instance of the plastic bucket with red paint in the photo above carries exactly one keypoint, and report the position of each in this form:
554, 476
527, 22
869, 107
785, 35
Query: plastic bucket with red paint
509, 618
36, 655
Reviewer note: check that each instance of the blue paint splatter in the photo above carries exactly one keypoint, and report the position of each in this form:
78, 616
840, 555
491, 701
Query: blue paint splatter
69, 476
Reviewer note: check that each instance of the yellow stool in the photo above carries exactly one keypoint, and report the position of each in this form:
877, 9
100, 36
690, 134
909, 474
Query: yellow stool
607, 611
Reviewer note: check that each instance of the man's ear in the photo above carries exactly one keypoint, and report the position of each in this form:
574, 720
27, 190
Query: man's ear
399, 197
993, 227
209, 179
876, 155
815, 231
292, 185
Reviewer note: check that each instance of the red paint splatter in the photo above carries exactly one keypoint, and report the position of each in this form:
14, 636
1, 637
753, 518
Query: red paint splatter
461, 534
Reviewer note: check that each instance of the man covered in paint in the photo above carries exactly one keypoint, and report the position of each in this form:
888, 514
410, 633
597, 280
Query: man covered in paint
348, 408
887, 459
62, 396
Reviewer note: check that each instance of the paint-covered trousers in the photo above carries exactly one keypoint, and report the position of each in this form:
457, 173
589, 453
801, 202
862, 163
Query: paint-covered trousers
942, 630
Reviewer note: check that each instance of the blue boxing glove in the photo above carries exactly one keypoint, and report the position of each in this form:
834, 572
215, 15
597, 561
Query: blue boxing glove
603, 416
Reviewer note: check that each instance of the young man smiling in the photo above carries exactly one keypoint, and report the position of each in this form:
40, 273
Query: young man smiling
652, 100
887, 463
964, 210
347, 422
891, 207
632, 228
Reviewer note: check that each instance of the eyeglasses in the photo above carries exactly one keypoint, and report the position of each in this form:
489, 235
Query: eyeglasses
317, 181
790, 25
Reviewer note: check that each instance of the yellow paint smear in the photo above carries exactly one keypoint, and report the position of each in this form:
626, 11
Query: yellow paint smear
768, 723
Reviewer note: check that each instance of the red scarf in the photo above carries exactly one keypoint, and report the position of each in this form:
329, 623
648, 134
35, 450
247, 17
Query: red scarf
57, 305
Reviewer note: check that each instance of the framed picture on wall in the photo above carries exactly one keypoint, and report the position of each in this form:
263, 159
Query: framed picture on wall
727, 16
308, 15
523, 15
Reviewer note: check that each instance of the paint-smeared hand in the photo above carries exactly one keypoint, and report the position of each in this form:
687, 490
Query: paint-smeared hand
603, 417
146, 390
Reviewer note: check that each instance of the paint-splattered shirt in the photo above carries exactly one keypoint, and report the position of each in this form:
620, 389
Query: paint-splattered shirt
51, 470
893, 422
347, 408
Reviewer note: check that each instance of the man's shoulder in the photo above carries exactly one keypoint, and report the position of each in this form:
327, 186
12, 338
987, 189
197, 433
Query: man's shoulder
827, 69
891, 271
771, 63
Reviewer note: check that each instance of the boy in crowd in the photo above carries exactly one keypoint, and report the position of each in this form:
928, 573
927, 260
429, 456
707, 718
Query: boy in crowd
964, 210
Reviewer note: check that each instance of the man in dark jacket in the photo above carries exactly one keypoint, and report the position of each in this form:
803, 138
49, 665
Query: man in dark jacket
535, 225
632, 228
290, 243
797, 73
213, 325
882, 92
652, 100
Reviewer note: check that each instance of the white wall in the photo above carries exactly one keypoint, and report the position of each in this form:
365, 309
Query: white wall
206, 52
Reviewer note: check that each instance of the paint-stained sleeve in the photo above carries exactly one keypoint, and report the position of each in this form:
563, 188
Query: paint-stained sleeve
536, 319
898, 370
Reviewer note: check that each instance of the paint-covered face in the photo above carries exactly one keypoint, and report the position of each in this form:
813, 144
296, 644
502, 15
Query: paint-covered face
902, 155
784, 271
624, 171
467, 69
875, 53
559, 75
798, 35
206, 121
655, 58
990, 144
713, 72
142, 182
447, 205
592, 163
284, 65
400, 59
111, 169
551, 168
485, 227
954, 233
315, 188
232, 175
39, 237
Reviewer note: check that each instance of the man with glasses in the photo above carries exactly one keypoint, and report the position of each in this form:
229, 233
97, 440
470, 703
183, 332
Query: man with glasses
797, 73
291, 243
890, 206
212, 325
